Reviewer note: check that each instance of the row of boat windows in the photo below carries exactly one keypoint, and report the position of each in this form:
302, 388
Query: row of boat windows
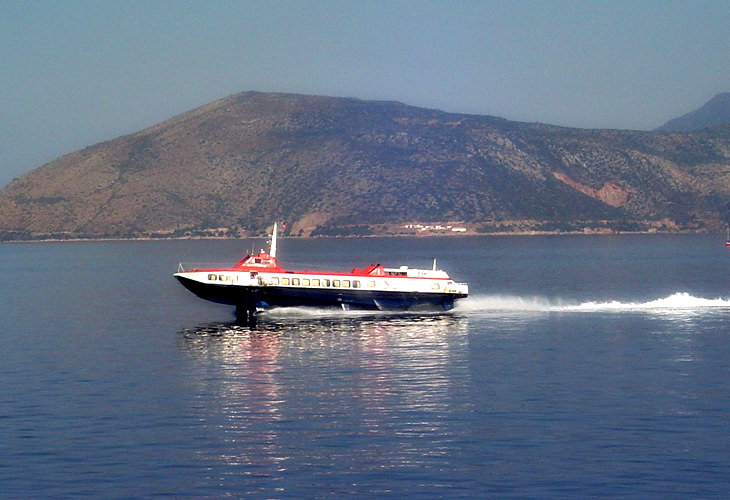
220, 277
306, 282
299, 281
317, 282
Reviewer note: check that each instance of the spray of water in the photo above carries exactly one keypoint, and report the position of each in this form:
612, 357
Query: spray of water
680, 301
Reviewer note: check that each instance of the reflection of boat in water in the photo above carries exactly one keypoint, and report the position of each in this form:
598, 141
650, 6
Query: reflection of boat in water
257, 282
231, 339
272, 389
398, 327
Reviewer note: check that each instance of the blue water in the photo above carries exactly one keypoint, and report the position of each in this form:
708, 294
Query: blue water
591, 366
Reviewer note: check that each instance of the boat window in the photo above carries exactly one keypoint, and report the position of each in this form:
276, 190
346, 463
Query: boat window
305, 281
274, 281
295, 281
435, 286
346, 283
325, 282
223, 277
315, 282
356, 284
371, 284
335, 282
212, 277
284, 281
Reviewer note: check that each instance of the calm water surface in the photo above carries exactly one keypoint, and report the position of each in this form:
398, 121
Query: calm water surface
592, 366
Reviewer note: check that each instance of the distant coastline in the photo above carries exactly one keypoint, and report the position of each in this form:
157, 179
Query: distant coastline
424, 234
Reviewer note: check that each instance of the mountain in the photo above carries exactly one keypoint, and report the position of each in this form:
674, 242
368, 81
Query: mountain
714, 112
328, 165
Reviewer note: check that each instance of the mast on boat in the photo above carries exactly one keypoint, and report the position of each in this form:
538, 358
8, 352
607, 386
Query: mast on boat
272, 248
727, 222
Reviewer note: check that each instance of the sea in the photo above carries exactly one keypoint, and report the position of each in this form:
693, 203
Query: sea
587, 366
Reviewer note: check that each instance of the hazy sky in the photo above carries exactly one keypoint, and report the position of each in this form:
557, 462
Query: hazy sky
75, 73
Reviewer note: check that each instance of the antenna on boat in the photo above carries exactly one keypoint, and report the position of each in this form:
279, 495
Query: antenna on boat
434, 264
272, 248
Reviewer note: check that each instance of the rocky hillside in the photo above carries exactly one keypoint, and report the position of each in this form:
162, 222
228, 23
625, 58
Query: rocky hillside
345, 166
713, 113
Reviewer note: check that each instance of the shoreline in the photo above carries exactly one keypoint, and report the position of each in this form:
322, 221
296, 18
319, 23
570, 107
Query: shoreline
470, 234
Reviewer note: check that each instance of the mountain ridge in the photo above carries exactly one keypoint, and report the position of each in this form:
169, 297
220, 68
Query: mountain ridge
713, 113
345, 166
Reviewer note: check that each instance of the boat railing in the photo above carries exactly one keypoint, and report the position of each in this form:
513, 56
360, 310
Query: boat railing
200, 266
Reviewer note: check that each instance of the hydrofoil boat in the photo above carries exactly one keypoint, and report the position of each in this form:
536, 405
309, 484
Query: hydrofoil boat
257, 283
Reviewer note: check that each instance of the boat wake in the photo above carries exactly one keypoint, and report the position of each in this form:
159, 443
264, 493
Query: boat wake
680, 302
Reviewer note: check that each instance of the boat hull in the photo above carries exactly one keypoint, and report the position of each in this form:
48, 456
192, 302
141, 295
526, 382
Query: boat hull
250, 298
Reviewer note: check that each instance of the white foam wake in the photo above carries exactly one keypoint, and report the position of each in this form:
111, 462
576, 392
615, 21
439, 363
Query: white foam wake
680, 301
